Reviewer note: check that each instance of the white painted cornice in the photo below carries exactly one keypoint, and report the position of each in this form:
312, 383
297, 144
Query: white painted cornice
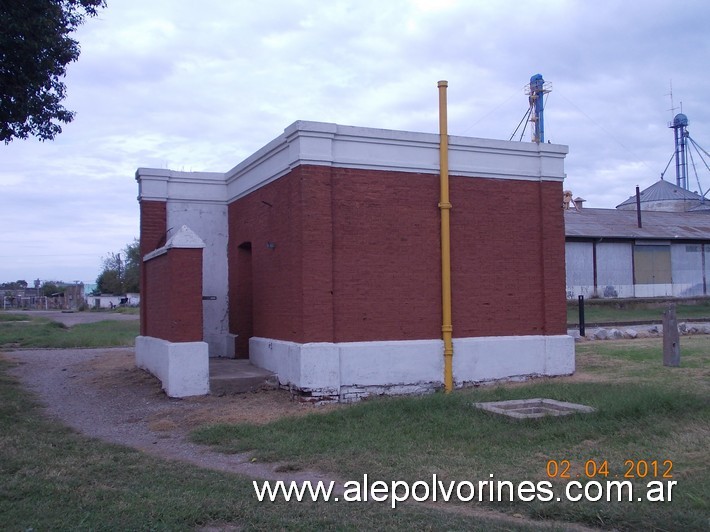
325, 144
160, 184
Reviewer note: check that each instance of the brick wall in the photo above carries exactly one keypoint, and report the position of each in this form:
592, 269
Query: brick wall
387, 265
553, 249
153, 226
271, 214
356, 256
174, 301
507, 241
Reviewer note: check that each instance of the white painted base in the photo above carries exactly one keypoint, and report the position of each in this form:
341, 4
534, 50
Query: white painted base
351, 370
221, 345
182, 367
493, 358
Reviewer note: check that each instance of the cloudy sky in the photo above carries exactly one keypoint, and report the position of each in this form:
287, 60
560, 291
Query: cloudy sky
199, 86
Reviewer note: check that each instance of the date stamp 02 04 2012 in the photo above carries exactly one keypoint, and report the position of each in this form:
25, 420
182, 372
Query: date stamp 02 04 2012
631, 469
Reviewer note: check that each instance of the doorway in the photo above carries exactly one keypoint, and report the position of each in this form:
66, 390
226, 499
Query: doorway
244, 319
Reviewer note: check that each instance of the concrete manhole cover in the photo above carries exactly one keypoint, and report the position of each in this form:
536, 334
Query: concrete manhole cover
533, 408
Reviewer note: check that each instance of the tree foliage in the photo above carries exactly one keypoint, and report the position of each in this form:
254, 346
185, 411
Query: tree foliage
132, 271
120, 275
52, 287
17, 285
35, 49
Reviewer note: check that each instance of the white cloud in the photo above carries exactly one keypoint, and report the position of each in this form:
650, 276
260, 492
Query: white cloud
201, 86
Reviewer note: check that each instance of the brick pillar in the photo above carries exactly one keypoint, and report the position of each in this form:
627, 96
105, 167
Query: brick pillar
153, 226
172, 301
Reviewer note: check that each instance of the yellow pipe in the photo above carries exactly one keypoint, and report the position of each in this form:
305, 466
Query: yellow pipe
445, 208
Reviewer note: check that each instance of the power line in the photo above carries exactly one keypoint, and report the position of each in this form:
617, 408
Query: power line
604, 130
475, 123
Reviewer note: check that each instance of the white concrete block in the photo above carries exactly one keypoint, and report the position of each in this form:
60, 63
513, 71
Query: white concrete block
559, 355
182, 367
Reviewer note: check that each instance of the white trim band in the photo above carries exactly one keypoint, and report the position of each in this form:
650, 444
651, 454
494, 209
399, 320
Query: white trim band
326, 144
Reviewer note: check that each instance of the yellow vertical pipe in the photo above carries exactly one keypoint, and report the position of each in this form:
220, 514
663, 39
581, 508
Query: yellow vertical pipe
445, 208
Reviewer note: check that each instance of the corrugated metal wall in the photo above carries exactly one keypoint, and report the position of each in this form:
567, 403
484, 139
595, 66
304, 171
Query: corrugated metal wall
615, 276
687, 269
637, 269
579, 257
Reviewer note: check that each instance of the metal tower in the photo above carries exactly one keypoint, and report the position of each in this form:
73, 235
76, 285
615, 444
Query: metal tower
680, 122
535, 91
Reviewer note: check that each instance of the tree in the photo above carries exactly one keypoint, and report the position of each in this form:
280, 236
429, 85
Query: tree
132, 267
110, 280
52, 287
35, 49
118, 275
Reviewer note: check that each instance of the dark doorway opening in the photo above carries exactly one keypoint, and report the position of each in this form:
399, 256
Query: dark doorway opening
244, 320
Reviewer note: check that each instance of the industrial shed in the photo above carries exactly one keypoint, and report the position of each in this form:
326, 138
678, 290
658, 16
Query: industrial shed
609, 256
318, 258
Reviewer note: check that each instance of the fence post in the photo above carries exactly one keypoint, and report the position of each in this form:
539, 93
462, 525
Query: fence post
671, 339
581, 316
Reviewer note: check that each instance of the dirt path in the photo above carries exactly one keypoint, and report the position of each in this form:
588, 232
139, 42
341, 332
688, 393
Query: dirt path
100, 393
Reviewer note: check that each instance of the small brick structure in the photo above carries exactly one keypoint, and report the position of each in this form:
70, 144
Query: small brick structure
322, 259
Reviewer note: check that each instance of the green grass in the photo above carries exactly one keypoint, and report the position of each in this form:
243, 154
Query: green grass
125, 310
54, 479
641, 360
7, 317
608, 311
40, 332
644, 411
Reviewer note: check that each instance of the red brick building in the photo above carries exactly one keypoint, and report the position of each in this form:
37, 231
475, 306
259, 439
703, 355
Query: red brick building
322, 259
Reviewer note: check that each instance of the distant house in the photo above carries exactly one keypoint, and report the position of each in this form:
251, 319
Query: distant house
21, 297
110, 301
609, 256
71, 296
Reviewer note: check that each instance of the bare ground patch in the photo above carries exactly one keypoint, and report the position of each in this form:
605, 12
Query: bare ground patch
118, 371
100, 393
